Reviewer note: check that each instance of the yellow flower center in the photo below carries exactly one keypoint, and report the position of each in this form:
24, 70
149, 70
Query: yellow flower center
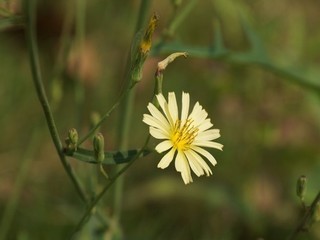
183, 136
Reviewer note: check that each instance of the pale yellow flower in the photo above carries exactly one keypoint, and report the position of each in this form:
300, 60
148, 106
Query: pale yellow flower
183, 137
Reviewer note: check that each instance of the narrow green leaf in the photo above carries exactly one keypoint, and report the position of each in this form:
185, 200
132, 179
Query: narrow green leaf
112, 157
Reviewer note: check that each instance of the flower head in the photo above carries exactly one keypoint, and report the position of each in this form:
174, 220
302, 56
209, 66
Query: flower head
184, 137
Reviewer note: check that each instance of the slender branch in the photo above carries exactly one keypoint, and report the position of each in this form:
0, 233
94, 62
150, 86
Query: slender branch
126, 111
103, 118
11, 206
179, 17
306, 217
37, 79
94, 203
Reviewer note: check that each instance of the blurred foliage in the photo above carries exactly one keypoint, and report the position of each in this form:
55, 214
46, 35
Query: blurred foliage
253, 65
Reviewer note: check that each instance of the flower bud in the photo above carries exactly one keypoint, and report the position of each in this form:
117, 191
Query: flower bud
98, 147
72, 140
301, 187
73, 136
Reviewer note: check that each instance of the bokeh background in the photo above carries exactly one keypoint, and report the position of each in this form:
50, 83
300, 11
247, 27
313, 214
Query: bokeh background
253, 65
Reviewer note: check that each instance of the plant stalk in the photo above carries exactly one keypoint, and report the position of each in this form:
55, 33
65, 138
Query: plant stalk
126, 111
30, 6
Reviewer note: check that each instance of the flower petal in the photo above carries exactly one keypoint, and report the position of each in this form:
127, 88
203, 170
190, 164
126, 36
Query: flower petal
211, 134
164, 106
173, 107
166, 159
182, 166
157, 114
200, 160
194, 163
185, 107
208, 144
153, 122
157, 133
206, 124
163, 146
206, 154
198, 114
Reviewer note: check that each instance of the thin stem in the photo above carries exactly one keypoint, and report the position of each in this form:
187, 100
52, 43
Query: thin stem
94, 203
179, 17
13, 201
103, 118
79, 90
37, 79
305, 218
126, 111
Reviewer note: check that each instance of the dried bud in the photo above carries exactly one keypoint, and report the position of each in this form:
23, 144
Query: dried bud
98, 147
164, 63
162, 66
301, 187
143, 50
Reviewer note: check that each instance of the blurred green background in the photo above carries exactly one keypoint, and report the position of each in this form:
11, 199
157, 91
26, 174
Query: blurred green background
253, 65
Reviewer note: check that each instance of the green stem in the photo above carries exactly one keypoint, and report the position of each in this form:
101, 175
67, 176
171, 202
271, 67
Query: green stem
13, 201
103, 118
94, 203
126, 111
179, 17
37, 79
305, 218
79, 90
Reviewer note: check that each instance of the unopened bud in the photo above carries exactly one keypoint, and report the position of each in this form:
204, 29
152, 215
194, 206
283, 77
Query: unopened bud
301, 187
72, 140
73, 136
98, 147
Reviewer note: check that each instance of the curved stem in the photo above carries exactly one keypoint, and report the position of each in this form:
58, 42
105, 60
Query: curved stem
305, 218
37, 79
94, 203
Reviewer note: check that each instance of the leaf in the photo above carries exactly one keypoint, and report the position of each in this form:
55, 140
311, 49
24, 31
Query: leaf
112, 157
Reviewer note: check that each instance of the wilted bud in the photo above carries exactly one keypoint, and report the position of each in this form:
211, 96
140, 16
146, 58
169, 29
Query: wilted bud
301, 187
98, 147
161, 67
143, 50
164, 63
